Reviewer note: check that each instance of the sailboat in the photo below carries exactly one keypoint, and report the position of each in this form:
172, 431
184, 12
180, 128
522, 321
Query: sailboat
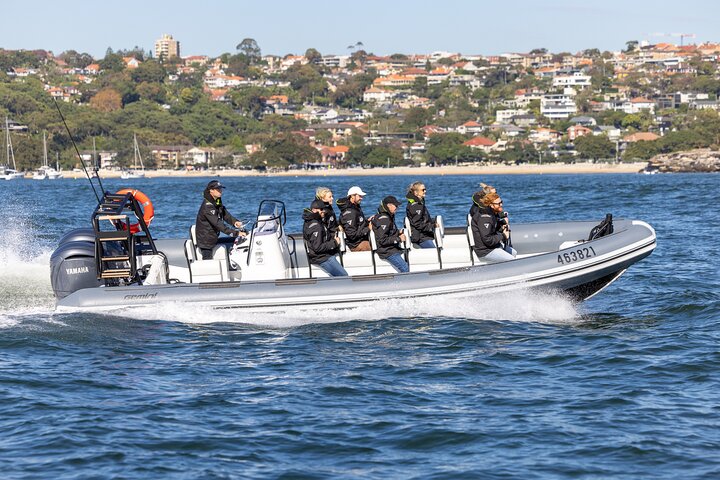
6, 172
134, 172
46, 172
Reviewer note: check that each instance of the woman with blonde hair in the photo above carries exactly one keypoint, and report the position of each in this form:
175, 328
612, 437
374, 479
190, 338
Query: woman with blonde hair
422, 225
478, 196
491, 231
324, 194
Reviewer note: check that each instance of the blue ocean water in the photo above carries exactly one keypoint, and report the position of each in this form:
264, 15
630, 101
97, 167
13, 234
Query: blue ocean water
625, 385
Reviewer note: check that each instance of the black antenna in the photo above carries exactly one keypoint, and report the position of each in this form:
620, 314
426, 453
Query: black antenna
82, 162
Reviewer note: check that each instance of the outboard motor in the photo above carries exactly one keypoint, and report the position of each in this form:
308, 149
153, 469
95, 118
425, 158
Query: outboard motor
72, 264
78, 235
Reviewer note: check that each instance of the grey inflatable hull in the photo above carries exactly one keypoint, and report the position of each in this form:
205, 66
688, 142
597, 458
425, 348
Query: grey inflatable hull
551, 259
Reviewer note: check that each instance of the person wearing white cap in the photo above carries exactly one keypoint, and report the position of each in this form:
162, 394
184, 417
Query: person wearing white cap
211, 219
353, 221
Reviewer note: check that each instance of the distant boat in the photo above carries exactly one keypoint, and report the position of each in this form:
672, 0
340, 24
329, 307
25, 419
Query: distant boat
6, 172
46, 172
135, 172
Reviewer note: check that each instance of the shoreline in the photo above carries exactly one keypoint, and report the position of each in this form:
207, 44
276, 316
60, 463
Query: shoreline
532, 169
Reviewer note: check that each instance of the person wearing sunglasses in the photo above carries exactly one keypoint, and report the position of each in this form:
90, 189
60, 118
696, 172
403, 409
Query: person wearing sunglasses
421, 223
491, 231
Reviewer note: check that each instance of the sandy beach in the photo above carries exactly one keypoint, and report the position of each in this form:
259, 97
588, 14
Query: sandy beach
533, 169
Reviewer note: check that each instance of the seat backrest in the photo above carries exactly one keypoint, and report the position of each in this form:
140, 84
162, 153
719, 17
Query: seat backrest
471, 238
342, 246
193, 239
190, 251
408, 227
439, 231
373, 242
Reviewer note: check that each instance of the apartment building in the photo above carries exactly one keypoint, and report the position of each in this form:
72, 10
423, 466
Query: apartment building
167, 47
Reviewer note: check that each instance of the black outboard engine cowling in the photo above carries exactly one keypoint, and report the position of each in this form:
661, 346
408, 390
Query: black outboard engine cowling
72, 267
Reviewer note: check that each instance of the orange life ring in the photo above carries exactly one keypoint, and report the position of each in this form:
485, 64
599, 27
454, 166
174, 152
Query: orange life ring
145, 203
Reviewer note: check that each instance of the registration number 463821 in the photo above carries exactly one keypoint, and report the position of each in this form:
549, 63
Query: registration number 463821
576, 255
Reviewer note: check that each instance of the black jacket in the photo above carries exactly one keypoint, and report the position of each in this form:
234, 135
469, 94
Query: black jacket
209, 222
353, 222
320, 242
387, 235
330, 219
421, 223
486, 231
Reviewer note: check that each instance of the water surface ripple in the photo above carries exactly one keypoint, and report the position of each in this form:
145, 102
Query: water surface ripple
523, 386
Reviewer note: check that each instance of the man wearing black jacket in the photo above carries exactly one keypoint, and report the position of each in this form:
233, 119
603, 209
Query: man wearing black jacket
353, 221
211, 220
322, 246
387, 235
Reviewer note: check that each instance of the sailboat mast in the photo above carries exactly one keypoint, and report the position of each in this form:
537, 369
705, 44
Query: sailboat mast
10, 153
45, 160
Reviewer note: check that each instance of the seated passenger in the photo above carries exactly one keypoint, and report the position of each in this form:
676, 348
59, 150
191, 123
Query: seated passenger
325, 194
491, 231
421, 223
477, 197
321, 244
387, 235
353, 221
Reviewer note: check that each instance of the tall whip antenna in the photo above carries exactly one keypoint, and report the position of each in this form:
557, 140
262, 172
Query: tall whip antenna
82, 162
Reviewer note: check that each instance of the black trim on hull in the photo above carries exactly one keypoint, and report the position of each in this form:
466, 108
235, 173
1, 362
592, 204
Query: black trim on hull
587, 290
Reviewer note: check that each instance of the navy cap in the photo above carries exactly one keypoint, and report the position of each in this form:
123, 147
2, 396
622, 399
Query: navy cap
390, 200
319, 204
215, 185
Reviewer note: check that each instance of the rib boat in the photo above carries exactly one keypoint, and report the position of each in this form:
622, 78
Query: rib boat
117, 264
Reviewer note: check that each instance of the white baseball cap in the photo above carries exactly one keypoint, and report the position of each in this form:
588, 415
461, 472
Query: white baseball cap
356, 191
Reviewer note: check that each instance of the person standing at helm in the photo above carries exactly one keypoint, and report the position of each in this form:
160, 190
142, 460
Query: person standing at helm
354, 222
421, 223
212, 218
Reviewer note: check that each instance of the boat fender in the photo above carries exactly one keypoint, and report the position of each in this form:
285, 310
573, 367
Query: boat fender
145, 203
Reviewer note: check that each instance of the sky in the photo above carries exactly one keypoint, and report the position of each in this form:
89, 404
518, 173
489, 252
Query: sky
213, 27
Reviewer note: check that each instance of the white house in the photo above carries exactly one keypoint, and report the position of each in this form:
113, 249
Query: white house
504, 116
577, 79
557, 106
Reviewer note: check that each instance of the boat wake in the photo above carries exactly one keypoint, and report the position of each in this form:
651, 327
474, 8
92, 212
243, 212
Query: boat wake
523, 306
25, 282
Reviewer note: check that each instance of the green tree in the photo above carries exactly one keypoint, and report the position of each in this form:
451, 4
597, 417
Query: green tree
417, 117
312, 55
249, 47
595, 147
447, 148
642, 150
112, 63
376, 156
250, 101
284, 150
150, 71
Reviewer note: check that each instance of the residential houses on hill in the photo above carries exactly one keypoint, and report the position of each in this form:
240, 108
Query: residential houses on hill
559, 99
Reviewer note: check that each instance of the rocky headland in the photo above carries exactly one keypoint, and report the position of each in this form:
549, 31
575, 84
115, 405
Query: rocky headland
692, 161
